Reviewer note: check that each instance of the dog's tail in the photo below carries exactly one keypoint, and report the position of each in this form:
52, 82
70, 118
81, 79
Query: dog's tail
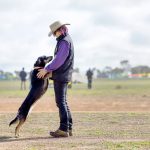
14, 121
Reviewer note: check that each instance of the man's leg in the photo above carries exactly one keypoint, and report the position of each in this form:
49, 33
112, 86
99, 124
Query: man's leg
60, 97
70, 121
90, 84
64, 112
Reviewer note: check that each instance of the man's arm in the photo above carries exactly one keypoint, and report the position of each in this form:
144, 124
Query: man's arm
61, 56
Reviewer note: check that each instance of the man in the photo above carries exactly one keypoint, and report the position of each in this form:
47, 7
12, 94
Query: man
61, 68
23, 75
89, 75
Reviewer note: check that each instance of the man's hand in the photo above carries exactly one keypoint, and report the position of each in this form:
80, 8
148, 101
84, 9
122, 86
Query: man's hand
48, 75
42, 73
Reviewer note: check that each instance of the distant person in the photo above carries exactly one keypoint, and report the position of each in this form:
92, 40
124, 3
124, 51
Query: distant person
89, 75
23, 75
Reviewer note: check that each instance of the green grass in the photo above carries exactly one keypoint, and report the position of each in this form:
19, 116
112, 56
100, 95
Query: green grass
127, 145
91, 131
100, 88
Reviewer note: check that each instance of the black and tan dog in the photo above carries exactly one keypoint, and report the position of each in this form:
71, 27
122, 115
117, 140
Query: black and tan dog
38, 88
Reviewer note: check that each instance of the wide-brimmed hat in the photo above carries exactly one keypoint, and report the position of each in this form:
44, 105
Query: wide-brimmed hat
56, 25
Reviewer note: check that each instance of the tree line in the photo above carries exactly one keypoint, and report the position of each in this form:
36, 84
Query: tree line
124, 71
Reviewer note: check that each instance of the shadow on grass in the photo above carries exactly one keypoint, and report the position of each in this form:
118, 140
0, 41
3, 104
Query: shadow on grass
13, 139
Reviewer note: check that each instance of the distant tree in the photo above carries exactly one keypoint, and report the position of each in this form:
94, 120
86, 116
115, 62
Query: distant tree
125, 65
98, 73
1, 72
6, 75
126, 68
2, 75
140, 69
108, 69
117, 72
9, 76
108, 72
17, 74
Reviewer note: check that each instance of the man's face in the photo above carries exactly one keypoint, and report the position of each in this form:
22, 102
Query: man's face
57, 33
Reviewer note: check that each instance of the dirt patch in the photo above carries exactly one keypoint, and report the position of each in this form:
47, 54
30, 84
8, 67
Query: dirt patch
83, 103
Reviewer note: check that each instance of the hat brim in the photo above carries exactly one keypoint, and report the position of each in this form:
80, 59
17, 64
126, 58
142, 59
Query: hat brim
50, 33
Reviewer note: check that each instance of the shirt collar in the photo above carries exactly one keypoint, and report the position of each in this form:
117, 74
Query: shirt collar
61, 37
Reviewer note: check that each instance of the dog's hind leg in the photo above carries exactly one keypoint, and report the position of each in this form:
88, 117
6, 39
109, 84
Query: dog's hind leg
21, 122
14, 121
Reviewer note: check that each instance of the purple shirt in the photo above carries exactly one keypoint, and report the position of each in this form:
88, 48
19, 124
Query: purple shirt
62, 54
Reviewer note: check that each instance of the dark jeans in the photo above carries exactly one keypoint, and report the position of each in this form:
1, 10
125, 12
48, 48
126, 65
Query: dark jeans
60, 89
89, 83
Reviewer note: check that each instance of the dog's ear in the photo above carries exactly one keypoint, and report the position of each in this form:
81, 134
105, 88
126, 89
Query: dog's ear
38, 62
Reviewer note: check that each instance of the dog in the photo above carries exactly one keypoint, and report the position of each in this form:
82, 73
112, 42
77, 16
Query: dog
38, 88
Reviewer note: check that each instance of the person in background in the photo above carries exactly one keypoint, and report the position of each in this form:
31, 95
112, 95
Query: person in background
89, 75
23, 75
61, 68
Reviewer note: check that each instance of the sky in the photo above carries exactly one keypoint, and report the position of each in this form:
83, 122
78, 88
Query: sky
104, 32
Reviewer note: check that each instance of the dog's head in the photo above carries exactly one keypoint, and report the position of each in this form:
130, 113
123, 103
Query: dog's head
42, 61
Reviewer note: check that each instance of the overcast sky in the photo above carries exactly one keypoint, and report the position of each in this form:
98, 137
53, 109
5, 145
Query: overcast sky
104, 31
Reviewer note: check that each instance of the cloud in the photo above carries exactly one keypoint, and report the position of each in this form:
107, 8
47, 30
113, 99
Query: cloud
138, 38
104, 32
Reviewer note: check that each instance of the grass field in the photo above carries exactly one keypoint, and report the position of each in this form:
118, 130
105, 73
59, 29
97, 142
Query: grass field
114, 115
100, 88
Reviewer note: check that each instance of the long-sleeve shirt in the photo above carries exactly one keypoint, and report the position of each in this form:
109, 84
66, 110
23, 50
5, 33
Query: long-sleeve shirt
62, 54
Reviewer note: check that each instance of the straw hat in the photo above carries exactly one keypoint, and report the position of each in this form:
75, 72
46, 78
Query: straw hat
56, 25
